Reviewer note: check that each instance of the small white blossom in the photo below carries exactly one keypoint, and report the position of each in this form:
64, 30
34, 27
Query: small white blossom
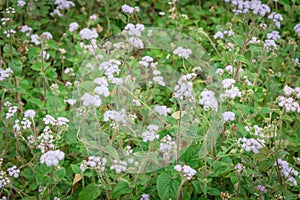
228, 116
73, 26
52, 157
182, 52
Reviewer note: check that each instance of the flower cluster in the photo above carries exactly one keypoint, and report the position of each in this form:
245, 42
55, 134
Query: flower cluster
145, 197
150, 133
21, 3
184, 88
228, 116
162, 110
254, 6
251, 144
135, 31
116, 116
88, 34
289, 172
289, 102
73, 26
62, 5
11, 111
110, 68
182, 52
52, 157
5, 73
231, 91
239, 168
13, 171
60, 121
9, 33
119, 166
257, 130
168, 147
46, 140
94, 162
208, 100
130, 10
221, 34
262, 188
297, 29
186, 171
91, 100
276, 18
26, 29
36, 39
102, 88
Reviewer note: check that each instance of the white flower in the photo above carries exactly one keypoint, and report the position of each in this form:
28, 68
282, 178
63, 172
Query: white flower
288, 90
184, 88
274, 35
289, 104
47, 35
251, 144
11, 112
93, 17
25, 29
88, 34
134, 30
297, 29
117, 116
13, 171
73, 26
182, 52
186, 171
119, 166
48, 119
150, 133
228, 83
9, 32
228, 116
21, 3
219, 34
219, 71
25, 123
52, 157
35, 39
29, 113
94, 162
62, 121
289, 172
162, 110
208, 100
136, 42
91, 100
145, 197
127, 9
136, 102
5, 73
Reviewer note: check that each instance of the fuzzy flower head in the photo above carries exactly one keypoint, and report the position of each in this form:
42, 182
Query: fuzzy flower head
52, 157
88, 34
73, 26
182, 52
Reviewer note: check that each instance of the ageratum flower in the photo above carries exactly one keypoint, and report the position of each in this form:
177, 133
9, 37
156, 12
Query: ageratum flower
52, 158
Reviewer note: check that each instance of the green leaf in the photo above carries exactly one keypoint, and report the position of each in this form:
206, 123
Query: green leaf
51, 73
37, 66
112, 152
61, 173
16, 66
214, 192
120, 189
167, 186
76, 169
90, 192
